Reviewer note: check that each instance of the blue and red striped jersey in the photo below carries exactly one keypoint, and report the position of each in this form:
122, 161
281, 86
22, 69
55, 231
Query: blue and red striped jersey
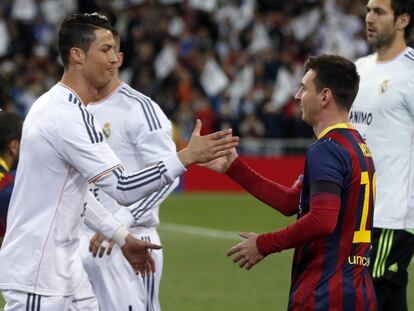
331, 273
6, 189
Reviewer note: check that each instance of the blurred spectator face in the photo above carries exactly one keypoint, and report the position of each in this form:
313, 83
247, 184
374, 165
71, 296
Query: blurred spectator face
380, 22
308, 98
101, 60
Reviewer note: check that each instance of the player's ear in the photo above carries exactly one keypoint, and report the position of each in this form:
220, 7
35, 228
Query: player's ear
77, 55
120, 59
326, 96
402, 21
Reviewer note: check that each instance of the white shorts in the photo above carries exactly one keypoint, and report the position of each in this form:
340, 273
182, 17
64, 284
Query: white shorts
83, 300
115, 284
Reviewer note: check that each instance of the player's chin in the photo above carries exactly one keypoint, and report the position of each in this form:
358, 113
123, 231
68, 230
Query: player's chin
103, 81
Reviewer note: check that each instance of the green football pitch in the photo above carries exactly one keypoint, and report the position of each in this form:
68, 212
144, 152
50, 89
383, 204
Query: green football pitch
196, 231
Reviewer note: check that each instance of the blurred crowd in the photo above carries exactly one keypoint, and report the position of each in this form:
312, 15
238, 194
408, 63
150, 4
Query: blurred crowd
227, 62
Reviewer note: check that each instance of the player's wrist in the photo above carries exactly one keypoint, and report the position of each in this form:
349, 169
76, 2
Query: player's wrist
120, 236
185, 157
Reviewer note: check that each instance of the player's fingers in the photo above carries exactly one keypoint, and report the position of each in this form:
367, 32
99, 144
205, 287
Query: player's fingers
243, 262
92, 242
224, 147
221, 153
237, 258
233, 250
102, 250
220, 134
249, 265
223, 143
110, 247
152, 264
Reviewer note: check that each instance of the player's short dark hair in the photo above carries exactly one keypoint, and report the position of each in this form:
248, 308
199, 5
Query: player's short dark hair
337, 74
10, 129
404, 7
78, 30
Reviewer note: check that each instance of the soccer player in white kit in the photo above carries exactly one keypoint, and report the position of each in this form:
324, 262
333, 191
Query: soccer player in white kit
139, 132
383, 112
62, 150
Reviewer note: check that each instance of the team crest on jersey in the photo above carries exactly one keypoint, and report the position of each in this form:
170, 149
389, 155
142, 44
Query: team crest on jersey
384, 86
106, 130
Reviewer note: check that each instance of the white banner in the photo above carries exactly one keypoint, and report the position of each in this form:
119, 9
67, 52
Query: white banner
203, 5
260, 40
165, 62
242, 84
213, 79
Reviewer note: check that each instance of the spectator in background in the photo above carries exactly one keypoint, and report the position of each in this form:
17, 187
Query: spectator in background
10, 134
272, 39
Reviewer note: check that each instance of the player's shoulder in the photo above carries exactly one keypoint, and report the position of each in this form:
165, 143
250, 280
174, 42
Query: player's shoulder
328, 146
365, 60
134, 97
149, 111
407, 61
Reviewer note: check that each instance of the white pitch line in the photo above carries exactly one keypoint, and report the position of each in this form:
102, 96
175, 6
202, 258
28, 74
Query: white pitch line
199, 231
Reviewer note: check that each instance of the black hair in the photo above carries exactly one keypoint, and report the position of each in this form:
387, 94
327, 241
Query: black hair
404, 7
10, 129
78, 30
337, 74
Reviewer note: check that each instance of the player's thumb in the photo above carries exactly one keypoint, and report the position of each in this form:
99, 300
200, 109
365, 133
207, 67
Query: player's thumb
153, 246
244, 235
197, 128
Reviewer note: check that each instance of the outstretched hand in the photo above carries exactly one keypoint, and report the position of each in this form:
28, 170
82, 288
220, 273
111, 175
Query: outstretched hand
222, 164
246, 253
137, 253
202, 149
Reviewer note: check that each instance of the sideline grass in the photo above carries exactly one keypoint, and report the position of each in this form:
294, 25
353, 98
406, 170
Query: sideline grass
197, 274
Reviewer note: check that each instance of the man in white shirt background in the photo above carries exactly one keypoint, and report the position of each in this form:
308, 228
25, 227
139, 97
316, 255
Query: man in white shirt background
62, 150
383, 112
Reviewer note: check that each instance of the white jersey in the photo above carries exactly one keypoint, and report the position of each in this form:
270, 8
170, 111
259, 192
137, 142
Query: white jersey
61, 150
140, 134
383, 112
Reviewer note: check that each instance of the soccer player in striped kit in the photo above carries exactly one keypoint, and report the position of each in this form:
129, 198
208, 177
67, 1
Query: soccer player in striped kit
383, 112
333, 202
139, 132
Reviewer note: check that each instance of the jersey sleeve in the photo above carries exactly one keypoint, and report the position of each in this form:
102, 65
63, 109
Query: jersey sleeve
82, 145
327, 161
151, 134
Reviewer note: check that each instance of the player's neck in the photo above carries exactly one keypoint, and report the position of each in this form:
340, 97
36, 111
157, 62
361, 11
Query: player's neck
108, 89
387, 53
340, 118
80, 86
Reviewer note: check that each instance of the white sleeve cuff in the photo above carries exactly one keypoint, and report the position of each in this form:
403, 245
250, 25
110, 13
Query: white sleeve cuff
174, 166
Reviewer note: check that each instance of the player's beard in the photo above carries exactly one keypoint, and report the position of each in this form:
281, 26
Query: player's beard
382, 41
